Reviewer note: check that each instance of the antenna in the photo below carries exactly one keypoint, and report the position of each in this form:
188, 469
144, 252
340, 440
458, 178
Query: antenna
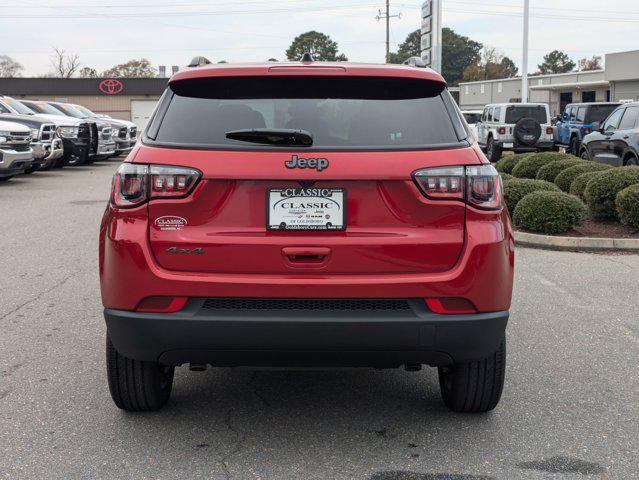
307, 57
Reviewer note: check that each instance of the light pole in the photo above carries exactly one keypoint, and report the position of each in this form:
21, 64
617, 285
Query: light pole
524, 61
387, 16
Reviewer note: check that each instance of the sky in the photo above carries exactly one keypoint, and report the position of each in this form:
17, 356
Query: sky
107, 32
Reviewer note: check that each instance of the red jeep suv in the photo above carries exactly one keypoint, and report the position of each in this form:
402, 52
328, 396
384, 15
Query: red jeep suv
306, 214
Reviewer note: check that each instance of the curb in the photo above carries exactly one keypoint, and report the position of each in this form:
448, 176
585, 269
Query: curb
576, 243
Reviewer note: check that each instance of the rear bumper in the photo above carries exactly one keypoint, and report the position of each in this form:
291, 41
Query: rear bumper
305, 338
516, 147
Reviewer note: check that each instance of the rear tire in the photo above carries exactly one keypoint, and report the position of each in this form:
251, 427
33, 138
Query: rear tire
474, 387
493, 151
585, 155
631, 162
137, 386
574, 146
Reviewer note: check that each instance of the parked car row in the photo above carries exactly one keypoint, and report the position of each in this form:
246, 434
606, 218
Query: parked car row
605, 132
40, 135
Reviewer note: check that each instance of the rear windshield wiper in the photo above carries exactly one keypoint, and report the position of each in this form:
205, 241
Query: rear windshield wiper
273, 136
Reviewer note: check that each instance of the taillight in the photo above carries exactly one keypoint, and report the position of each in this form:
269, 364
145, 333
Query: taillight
586, 130
501, 130
134, 184
549, 130
442, 182
479, 186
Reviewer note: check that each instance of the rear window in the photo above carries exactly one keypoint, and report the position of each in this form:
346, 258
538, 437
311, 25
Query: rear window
598, 113
472, 117
516, 113
339, 112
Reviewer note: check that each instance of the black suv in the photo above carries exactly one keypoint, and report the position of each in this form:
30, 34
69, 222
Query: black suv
616, 142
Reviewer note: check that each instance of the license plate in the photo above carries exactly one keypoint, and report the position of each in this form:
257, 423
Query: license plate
508, 145
306, 209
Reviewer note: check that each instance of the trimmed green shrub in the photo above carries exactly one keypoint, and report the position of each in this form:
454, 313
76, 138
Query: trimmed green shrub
529, 166
549, 212
550, 171
518, 188
602, 190
506, 176
566, 177
627, 203
579, 184
506, 164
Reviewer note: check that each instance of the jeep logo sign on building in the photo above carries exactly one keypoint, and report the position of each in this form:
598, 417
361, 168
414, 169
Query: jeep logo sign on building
111, 86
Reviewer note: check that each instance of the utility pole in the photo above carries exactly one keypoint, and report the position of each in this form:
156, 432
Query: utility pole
387, 16
524, 62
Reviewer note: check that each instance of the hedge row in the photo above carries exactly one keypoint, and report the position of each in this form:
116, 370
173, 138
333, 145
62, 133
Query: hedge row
517, 188
565, 178
627, 202
549, 212
601, 191
529, 167
536, 188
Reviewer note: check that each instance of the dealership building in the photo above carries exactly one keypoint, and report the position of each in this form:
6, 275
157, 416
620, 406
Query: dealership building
126, 98
619, 81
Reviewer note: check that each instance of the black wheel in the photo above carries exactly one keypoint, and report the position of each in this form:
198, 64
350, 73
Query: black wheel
475, 386
574, 146
584, 154
631, 161
137, 386
77, 160
493, 152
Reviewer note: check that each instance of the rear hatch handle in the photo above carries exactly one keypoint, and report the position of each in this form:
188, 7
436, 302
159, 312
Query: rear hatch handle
306, 256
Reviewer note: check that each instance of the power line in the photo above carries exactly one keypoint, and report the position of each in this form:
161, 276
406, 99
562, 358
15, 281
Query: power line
387, 16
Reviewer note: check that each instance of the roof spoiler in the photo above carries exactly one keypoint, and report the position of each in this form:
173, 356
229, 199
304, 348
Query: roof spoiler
199, 61
415, 62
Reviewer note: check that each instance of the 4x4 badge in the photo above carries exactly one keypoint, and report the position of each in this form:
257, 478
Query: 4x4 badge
318, 163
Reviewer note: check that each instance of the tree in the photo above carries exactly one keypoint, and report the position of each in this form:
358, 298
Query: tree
320, 46
9, 67
493, 65
458, 52
593, 63
88, 72
132, 69
64, 65
556, 62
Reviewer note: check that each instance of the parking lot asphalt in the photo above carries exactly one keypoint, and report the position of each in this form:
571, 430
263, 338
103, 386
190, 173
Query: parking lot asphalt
570, 408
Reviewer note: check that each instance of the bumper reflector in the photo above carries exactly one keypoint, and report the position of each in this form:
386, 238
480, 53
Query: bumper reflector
162, 304
450, 306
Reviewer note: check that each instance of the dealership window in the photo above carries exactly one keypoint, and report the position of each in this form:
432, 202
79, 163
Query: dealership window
482, 88
588, 96
500, 87
466, 89
540, 81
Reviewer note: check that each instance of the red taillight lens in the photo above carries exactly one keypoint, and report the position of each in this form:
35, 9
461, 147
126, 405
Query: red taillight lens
586, 130
172, 181
442, 182
484, 187
134, 184
129, 185
162, 304
450, 306
502, 130
479, 186
549, 130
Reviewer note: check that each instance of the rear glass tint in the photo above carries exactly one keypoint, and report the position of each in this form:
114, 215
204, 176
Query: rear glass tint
516, 113
339, 112
598, 113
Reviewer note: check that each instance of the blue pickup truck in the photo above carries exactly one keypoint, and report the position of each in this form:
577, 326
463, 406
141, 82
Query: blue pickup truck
576, 123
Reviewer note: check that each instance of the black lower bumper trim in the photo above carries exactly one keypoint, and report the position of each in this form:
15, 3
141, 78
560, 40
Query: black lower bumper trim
305, 338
